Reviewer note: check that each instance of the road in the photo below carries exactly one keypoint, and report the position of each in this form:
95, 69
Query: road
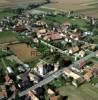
54, 75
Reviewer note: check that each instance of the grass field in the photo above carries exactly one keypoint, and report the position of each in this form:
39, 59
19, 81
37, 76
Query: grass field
24, 52
5, 14
7, 36
84, 92
62, 19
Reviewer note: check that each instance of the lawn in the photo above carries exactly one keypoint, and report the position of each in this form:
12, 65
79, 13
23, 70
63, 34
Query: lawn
7, 36
84, 92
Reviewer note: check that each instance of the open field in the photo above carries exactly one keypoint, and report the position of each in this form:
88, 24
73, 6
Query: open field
24, 52
71, 4
88, 7
84, 92
5, 14
63, 19
7, 36
17, 3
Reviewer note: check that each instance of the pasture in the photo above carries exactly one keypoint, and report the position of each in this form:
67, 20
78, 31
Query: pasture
84, 92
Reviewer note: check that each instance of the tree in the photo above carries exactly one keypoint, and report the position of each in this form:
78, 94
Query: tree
19, 10
48, 1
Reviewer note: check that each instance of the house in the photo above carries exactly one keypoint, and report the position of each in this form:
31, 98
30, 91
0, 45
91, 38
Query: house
89, 46
82, 63
50, 92
26, 66
39, 68
93, 46
33, 77
9, 69
75, 36
54, 97
78, 82
35, 40
41, 32
88, 75
69, 73
43, 68
3, 93
19, 28
52, 36
87, 33
95, 70
1, 29
56, 66
96, 53
82, 53
24, 80
32, 96
67, 24
8, 80
73, 50
40, 23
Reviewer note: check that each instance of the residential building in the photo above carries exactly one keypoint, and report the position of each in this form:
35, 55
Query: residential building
69, 73
32, 96
73, 50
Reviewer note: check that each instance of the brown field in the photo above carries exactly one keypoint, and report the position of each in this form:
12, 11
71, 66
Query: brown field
24, 52
16, 3
70, 4
77, 5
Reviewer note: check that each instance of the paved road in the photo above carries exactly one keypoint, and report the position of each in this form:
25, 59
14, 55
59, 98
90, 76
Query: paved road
54, 75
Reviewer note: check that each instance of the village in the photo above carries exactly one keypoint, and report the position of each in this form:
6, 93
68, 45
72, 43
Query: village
44, 48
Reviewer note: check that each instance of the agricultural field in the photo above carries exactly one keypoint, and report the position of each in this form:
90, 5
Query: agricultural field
4, 14
88, 7
62, 19
84, 92
7, 36
25, 52
17, 3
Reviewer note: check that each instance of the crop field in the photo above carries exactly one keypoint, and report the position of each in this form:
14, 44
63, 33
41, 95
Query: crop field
84, 92
16, 3
88, 7
25, 52
8, 36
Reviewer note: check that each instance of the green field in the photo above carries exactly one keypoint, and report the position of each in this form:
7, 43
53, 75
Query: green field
7, 36
84, 92
5, 14
63, 19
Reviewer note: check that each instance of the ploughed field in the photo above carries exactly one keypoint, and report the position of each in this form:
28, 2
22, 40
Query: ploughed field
88, 7
25, 52
15, 3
